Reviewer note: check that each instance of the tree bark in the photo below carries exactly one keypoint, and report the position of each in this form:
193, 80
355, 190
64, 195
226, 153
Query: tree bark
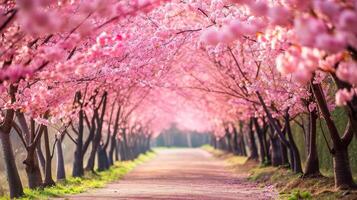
262, 153
312, 167
33, 170
342, 169
98, 134
236, 147
252, 145
117, 150
295, 152
13, 178
276, 159
61, 171
31, 166
103, 163
14, 181
228, 138
48, 170
40, 156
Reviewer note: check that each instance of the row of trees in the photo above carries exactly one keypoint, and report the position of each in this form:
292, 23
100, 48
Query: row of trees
62, 73
112, 69
277, 71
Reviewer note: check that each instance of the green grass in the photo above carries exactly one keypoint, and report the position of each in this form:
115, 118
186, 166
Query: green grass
91, 180
228, 157
289, 184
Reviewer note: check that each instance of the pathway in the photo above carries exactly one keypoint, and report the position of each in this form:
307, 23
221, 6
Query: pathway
180, 174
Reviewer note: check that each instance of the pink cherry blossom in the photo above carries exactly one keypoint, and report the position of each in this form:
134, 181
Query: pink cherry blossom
343, 96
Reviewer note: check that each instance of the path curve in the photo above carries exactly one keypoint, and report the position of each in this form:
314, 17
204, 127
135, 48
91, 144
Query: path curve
180, 174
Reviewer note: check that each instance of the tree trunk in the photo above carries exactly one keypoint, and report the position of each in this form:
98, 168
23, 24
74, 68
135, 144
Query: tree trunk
125, 147
48, 170
284, 154
15, 185
293, 148
121, 150
78, 170
242, 145
31, 165
228, 141
236, 147
252, 145
342, 169
117, 150
98, 135
262, 153
276, 159
61, 171
267, 147
33, 170
40, 156
312, 167
91, 159
284, 145
112, 150
103, 163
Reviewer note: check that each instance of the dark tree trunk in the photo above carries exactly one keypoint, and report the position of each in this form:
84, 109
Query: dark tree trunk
122, 150
342, 169
40, 156
61, 171
293, 148
48, 170
98, 135
262, 153
91, 159
276, 159
13, 178
103, 163
148, 143
242, 145
235, 146
125, 147
112, 150
267, 147
117, 150
222, 144
31, 166
33, 170
237, 142
78, 169
284, 146
113, 139
284, 154
275, 127
252, 145
229, 141
312, 167
214, 141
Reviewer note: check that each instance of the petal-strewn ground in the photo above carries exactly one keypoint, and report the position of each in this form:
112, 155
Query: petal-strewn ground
190, 174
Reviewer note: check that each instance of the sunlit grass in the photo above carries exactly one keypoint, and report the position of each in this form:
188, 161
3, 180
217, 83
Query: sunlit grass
91, 180
228, 157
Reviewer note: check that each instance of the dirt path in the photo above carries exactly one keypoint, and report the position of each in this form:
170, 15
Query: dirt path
177, 174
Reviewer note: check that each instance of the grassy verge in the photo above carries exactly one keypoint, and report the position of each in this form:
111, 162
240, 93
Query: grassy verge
289, 184
78, 185
229, 157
